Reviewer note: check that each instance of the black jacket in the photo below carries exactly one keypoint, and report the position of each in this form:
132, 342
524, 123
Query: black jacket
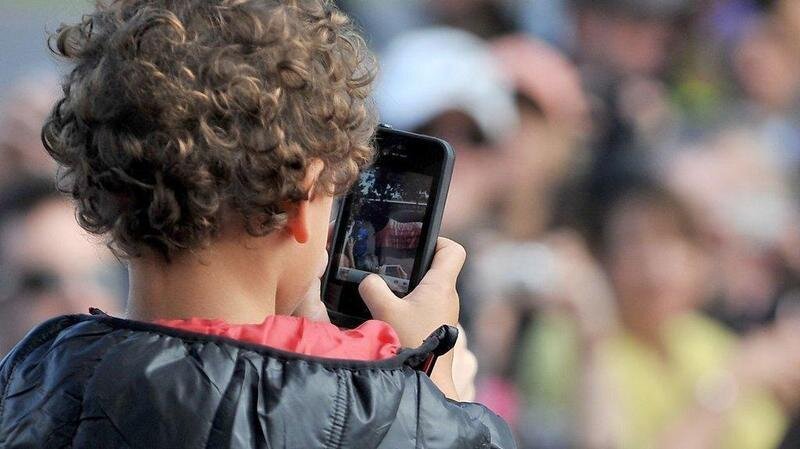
101, 382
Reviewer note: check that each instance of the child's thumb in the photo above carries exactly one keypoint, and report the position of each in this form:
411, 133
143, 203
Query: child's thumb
376, 295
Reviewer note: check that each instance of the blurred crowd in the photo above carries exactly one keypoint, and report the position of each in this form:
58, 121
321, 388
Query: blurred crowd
627, 186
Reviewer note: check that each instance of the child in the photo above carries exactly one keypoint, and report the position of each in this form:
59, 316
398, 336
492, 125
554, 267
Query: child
206, 139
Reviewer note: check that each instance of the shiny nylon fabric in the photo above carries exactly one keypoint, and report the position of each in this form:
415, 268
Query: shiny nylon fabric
101, 382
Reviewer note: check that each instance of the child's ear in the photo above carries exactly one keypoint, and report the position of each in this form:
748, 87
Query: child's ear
299, 224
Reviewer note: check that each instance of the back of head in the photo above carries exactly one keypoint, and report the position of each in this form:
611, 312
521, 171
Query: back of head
177, 113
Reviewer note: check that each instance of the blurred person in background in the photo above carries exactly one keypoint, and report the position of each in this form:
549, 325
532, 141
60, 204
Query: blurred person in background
544, 150
660, 374
748, 206
548, 146
48, 264
445, 82
625, 49
766, 66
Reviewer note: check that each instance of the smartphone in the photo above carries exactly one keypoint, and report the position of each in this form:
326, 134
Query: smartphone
389, 222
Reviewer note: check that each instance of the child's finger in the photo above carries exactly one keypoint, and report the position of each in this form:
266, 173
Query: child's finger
376, 295
447, 263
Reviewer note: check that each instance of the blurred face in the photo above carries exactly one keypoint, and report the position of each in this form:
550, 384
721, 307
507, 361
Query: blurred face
657, 272
477, 173
56, 269
538, 156
542, 151
767, 69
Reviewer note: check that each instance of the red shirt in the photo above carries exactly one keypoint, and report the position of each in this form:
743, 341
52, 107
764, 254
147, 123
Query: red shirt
373, 340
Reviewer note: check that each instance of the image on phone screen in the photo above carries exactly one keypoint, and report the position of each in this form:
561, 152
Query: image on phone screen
388, 222
387, 213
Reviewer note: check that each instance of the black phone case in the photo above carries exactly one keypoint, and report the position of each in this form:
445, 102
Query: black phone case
429, 246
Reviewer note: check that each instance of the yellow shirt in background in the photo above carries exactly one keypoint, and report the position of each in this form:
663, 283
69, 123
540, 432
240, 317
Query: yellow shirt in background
653, 391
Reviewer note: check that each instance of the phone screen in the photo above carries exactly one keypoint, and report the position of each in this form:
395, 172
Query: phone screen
383, 228
388, 223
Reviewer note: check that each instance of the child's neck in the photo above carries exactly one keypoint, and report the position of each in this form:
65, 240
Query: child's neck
230, 280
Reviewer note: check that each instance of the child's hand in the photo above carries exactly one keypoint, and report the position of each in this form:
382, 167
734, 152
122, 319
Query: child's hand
433, 303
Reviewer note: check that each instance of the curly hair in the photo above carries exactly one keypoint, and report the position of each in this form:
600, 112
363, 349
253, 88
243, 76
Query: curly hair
178, 111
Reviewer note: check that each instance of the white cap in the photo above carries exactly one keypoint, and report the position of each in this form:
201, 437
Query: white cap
435, 70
